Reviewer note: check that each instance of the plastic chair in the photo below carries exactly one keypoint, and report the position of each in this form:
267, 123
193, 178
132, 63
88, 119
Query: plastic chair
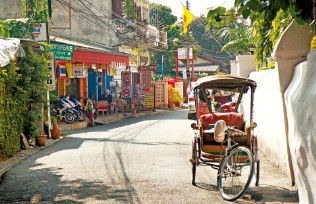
103, 106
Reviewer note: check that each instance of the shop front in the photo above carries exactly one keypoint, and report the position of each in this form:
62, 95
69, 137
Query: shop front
83, 71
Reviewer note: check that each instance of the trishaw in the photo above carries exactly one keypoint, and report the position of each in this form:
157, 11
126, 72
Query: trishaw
224, 133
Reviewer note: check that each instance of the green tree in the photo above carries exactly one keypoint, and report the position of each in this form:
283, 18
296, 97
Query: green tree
267, 21
160, 16
129, 9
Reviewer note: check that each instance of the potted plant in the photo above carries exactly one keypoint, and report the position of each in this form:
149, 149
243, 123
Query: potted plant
55, 131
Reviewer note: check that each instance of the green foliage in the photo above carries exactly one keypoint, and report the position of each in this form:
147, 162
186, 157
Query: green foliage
129, 9
22, 91
11, 119
166, 19
23, 82
37, 11
4, 29
210, 40
269, 19
174, 37
20, 29
174, 95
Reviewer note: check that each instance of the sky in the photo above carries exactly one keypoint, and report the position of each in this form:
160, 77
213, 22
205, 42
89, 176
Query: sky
197, 7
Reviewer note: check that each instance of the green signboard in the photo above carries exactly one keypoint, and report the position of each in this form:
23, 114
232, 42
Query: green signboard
63, 51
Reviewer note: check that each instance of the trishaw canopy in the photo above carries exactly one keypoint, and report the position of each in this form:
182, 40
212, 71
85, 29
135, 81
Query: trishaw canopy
224, 82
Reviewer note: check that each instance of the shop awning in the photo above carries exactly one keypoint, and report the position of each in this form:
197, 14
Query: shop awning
98, 57
93, 54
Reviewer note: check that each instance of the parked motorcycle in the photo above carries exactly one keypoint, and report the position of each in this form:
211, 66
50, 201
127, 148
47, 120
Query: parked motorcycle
74, 105
62, 112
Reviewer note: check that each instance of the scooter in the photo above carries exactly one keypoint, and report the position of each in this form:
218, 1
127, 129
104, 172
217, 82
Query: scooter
62, 112
80, 116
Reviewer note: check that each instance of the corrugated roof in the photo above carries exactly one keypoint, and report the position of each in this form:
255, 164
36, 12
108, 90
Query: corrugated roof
203, 68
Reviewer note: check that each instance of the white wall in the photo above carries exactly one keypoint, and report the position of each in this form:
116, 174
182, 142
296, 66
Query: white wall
245, 65
233, 68
269, 115
300, 98
269, 110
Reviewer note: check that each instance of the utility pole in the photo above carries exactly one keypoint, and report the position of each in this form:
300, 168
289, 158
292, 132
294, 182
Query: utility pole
162, 74
187, 55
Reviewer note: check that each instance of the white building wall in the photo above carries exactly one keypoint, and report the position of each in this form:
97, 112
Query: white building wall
269, 115
300, 99
233, 68
245, 65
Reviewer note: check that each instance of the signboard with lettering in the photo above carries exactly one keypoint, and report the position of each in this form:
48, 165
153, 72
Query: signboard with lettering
63, 51
149, 98
182, 53
77, 70
40, 32
151, 67
51, 66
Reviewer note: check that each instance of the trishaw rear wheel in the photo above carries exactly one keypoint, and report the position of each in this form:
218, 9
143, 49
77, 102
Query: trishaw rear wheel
257, 172
194, 160
235, 173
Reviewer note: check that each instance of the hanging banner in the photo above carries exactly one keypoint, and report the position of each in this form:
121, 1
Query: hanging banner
79, 70
69, 70
62, 71
126, 84
51, 66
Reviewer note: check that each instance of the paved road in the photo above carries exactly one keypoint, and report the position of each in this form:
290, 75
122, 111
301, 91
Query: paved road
137, 160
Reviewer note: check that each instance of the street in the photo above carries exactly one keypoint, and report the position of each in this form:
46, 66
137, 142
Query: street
137, 160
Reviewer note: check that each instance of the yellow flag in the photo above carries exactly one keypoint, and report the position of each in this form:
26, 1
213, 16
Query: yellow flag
187, 19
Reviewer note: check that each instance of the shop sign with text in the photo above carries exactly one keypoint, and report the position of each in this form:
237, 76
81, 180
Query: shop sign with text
63, 51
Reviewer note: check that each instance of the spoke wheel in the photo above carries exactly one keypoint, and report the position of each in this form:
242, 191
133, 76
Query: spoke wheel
69, 118
257, 172
235, 173
194, 161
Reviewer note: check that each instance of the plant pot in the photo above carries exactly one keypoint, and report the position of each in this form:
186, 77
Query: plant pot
55, 126
41, 140
55, 133
172, 106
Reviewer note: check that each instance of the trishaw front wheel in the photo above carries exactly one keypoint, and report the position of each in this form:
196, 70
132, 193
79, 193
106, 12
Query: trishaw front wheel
235, 173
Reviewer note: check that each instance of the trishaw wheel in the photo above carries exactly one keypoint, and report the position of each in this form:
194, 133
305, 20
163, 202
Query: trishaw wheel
235, 173
194, 161
257, 173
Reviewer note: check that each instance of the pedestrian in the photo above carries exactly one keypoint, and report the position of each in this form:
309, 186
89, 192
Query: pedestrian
90, 111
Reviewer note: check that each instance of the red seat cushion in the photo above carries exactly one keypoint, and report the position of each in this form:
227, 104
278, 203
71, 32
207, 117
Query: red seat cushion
231, 119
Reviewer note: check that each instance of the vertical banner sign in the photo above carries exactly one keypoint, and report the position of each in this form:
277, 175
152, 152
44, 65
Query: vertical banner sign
51, 67
126, 84
149, 98
139, 94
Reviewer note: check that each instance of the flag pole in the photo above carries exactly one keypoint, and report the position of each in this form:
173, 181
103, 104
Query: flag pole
187, 53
